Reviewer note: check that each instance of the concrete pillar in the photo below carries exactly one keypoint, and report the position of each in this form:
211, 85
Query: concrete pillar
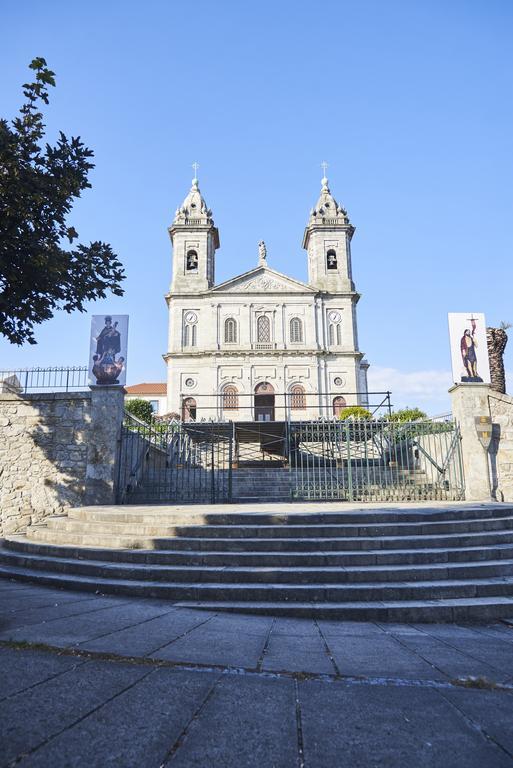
469, 401
104, 433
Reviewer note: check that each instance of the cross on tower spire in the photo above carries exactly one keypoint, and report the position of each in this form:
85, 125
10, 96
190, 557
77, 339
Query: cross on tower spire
324, 166
195, 167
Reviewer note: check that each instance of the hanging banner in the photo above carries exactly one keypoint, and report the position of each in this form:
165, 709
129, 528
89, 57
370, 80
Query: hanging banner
108, 350
469, 350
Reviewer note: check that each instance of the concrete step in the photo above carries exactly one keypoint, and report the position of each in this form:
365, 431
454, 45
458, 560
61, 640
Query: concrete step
278, 530
348, 558
273, 544
303, 574
421, 611
335, 514
272, 592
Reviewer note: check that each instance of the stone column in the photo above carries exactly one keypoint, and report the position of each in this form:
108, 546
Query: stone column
469, 401
102, 453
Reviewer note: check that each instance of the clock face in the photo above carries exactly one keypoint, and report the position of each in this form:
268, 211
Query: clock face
191, 317
334, 317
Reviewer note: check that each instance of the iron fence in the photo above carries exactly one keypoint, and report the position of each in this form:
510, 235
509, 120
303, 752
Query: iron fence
55, 379
269, 405
355, 460
375, 461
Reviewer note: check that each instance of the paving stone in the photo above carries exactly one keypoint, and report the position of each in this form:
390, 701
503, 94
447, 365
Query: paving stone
360, 628
379, 657
248, 722
296, 653
20, 669
31, 616
303, 627
454, 663
366, 726
491, 651
31, 717
249, 625
76, 629
136, 729
203, 647
489, 710
142, 639
499, 631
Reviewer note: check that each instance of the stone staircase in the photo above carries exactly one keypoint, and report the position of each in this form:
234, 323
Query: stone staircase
253, 484
451, 562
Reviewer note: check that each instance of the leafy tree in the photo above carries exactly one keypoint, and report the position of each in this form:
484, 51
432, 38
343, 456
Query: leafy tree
140, 408
407, 414
38, 185
355, 412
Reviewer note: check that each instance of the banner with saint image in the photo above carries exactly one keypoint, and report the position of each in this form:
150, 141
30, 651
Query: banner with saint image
469, 350
108, 350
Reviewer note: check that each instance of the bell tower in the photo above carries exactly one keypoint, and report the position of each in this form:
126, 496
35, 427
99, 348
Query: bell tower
195, 239
327, 240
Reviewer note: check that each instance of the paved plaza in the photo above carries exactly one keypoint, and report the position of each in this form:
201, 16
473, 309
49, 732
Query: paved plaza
89, 680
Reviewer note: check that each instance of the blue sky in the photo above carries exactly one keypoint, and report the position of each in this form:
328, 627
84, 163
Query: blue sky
409, 102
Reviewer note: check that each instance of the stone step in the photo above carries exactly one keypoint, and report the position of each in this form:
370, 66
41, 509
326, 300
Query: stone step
334, 514
278, 530
301, 575
274, 544
272, 592
349, 558
414, 611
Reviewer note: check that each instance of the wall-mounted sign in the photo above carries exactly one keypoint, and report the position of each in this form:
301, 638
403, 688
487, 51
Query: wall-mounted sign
484, 430
108, 350
469, 350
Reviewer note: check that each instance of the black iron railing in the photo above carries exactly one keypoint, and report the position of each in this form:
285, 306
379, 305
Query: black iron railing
54, 379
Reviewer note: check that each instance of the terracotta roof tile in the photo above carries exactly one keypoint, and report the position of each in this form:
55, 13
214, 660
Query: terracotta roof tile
158, 388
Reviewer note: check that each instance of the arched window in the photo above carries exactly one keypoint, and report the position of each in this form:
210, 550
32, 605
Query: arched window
335, 334
230, 398
296, 331
189, 409
230, 331
331, 259
191, 261
263, 330
339, 404
297, 398
190, 334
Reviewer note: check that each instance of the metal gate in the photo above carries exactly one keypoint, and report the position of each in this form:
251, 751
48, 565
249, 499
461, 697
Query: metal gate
194, 462
174, 462
375, 461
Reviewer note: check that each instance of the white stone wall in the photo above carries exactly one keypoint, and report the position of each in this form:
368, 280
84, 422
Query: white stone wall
501, 411
487, 474
315, 362
56, 450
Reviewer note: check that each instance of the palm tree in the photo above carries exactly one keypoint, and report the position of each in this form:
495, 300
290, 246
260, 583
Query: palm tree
497, 338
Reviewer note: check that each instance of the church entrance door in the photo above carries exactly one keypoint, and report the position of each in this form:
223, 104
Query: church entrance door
264, 402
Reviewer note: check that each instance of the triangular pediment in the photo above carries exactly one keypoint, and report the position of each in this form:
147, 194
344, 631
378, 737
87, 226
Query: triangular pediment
263, 280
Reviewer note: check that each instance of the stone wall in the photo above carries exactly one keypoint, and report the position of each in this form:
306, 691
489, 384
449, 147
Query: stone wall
488, 474
501, 411
56, 450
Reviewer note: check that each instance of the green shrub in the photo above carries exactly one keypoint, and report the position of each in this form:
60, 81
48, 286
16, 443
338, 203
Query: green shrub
406, 414
355, 412
140, 408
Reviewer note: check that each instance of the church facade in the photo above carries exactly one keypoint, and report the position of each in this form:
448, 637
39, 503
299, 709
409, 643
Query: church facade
263, 346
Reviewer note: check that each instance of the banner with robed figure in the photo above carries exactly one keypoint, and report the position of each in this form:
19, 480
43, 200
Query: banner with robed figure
108, 350
469, 350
